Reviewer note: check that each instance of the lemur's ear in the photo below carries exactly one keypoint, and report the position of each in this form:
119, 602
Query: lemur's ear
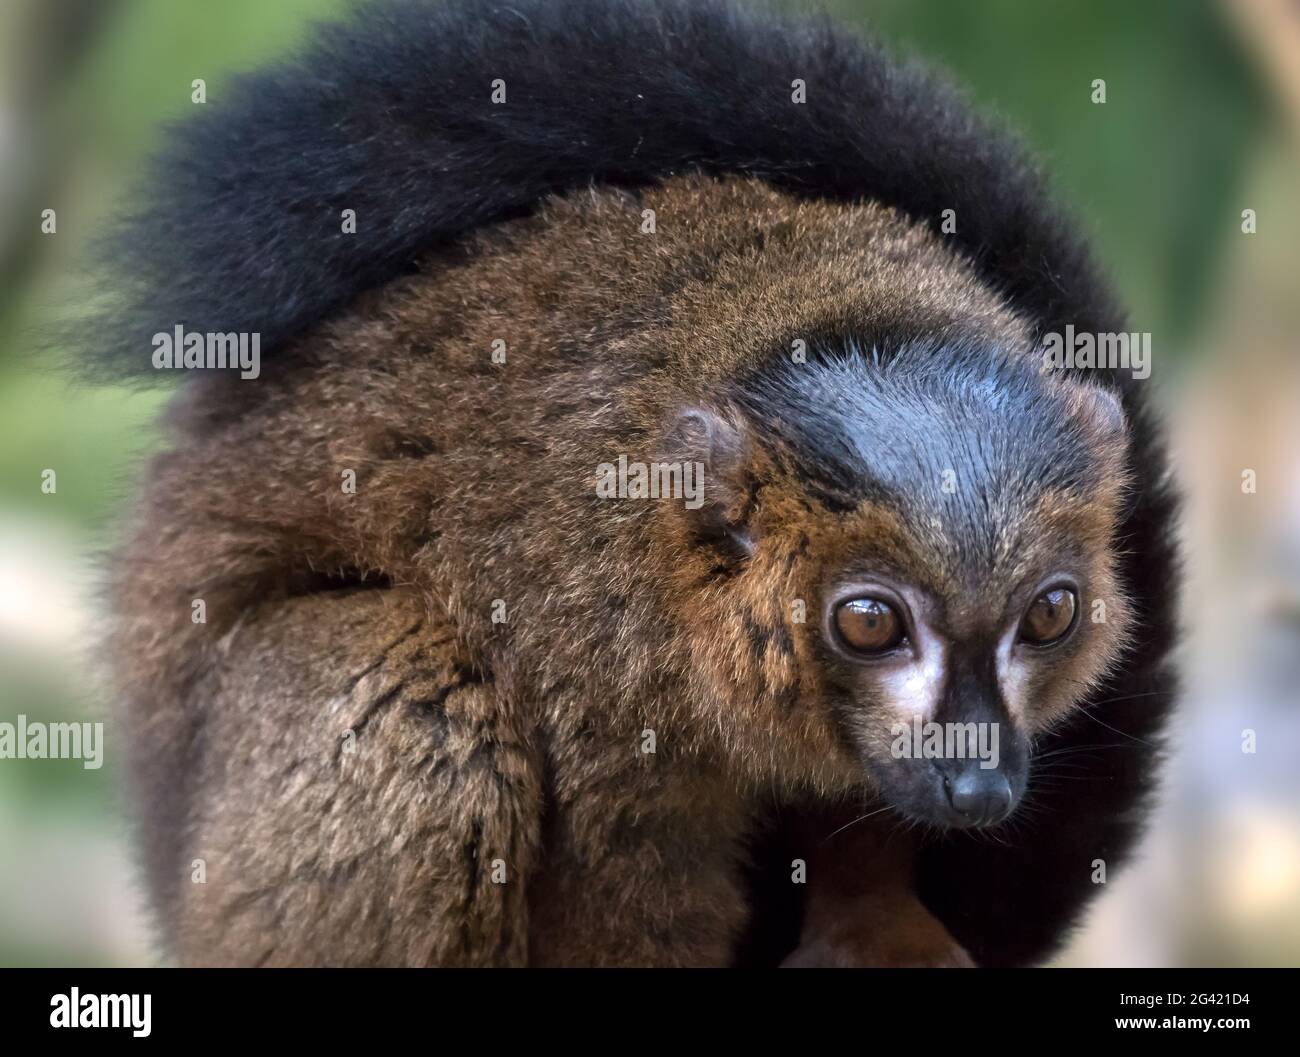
1100, 410
718, 445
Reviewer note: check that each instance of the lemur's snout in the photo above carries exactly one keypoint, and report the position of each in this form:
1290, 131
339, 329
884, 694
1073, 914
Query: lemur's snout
978, 796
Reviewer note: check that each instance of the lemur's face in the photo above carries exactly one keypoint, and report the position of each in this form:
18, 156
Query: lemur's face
956, 529
957, 687
941, 684
971, 599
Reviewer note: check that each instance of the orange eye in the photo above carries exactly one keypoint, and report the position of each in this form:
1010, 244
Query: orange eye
1049, 618
868, 625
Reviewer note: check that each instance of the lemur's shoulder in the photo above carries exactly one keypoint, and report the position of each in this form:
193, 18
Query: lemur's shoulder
431, 120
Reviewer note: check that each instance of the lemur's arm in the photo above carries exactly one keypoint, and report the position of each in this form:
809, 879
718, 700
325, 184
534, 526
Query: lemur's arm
366, 800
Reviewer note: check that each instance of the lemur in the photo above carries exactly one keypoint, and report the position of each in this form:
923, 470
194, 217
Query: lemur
402, 685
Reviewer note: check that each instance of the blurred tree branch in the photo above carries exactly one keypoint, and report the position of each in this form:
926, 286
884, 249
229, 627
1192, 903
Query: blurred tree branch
46, 42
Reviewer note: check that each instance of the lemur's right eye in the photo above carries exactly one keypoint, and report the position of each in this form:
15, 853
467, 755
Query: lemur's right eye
868, 625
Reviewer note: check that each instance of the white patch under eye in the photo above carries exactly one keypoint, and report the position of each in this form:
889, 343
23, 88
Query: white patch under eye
914, 690
1011, 675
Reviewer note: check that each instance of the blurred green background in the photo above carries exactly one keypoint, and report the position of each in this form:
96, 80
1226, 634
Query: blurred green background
1200, 122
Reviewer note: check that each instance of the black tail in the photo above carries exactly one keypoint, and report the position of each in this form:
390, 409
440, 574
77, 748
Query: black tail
391, 114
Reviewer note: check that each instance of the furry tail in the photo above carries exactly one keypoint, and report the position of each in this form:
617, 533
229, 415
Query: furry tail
429, 119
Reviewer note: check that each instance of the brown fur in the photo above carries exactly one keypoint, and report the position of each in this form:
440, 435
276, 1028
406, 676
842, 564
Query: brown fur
335, 618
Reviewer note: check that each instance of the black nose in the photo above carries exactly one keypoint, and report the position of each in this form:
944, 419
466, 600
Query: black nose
981, 797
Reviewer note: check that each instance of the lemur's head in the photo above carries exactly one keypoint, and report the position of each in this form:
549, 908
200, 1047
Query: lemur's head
921, 542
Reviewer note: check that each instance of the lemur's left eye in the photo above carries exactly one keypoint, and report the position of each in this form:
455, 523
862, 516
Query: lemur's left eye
868, 625
1049, 618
